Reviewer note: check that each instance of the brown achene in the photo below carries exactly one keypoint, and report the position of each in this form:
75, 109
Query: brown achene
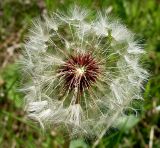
80, 71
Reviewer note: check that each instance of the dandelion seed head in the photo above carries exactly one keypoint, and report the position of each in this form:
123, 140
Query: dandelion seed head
79, 73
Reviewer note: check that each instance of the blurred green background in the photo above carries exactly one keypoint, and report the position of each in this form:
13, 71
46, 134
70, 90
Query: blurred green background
141, 16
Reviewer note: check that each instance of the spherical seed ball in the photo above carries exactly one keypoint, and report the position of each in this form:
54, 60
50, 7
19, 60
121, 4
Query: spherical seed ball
81, 74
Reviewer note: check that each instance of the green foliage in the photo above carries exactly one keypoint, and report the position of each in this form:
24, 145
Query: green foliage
79, 143
12, 77
140, 15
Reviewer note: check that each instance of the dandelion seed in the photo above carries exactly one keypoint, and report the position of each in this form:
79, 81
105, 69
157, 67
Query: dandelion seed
81, 73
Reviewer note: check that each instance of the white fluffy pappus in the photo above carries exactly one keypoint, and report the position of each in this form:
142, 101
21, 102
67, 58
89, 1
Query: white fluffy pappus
79, 73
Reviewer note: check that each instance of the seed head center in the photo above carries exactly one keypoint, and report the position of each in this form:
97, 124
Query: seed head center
80, 71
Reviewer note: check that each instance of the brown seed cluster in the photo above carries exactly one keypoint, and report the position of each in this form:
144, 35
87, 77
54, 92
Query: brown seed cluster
80, 71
